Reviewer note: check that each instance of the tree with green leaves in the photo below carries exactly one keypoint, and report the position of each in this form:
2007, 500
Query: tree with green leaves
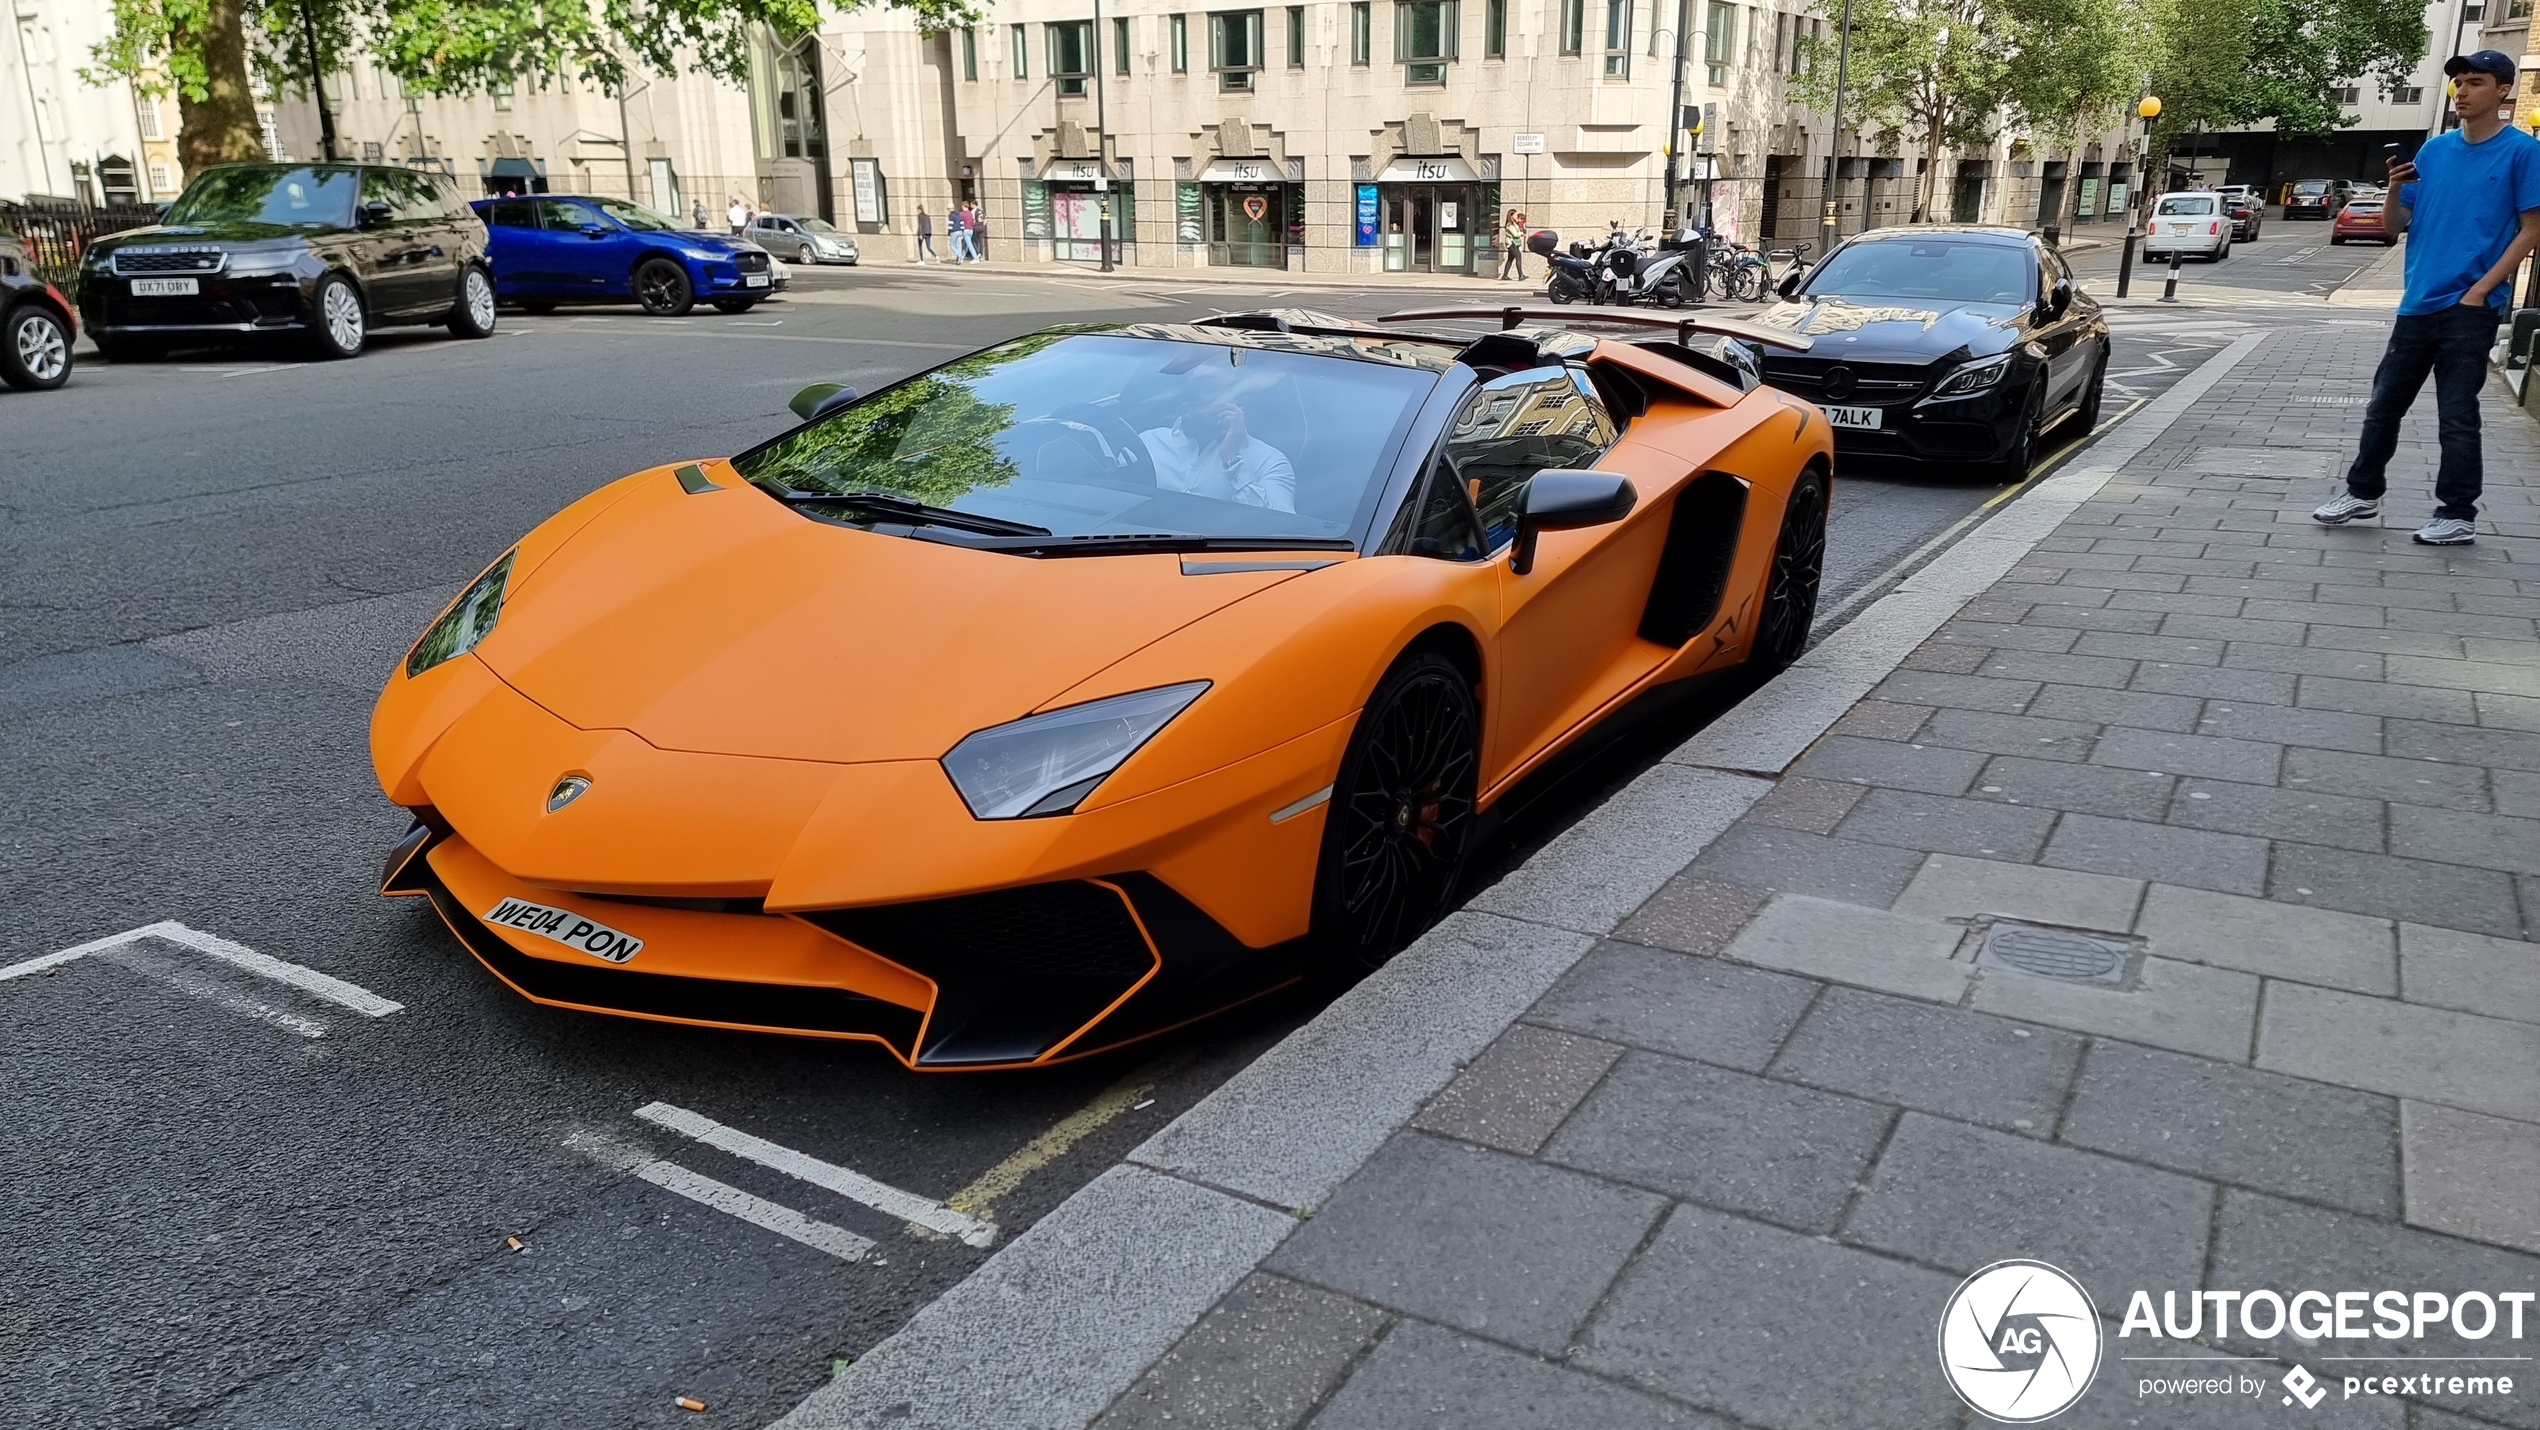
1941, 74
2230, 64
217, 54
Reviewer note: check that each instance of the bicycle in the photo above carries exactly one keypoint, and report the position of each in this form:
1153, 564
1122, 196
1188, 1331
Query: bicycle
1797, 257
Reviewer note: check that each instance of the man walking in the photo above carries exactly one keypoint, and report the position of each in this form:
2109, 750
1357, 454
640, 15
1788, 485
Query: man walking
2472, 199
738, 215
957, 232
926, 234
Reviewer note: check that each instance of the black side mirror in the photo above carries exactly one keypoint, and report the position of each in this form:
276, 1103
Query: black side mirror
820, 399
1791, 281
374, 213
1559, 500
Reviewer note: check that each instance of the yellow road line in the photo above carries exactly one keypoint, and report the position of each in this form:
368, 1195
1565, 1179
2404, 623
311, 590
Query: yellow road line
1055, 1143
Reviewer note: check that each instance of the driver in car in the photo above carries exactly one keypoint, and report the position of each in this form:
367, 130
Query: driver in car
1207, 452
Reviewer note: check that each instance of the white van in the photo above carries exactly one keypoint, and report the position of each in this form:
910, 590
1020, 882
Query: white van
2193, 225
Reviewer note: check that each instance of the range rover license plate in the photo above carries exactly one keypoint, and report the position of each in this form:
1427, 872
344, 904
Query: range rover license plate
166, 287
753, 280
1853, 417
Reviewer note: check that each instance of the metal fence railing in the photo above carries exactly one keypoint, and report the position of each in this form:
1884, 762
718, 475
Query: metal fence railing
56, 234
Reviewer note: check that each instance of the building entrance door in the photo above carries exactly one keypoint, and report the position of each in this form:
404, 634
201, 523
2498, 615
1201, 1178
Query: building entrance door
1430, 228
1248, 225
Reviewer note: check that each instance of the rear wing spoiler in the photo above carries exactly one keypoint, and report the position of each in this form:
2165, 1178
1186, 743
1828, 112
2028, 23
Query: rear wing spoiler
1684, 328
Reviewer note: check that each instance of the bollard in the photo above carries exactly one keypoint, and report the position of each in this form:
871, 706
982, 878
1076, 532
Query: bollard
2169, 290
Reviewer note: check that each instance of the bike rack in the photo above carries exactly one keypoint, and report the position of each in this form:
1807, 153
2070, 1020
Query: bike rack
1510, 317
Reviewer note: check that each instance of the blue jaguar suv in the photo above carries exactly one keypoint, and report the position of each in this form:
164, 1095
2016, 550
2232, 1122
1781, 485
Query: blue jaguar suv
548, 249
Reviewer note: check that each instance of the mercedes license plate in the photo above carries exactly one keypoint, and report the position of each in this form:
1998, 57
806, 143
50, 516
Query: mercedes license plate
566, 927
753, 280
166, 287
1853, 417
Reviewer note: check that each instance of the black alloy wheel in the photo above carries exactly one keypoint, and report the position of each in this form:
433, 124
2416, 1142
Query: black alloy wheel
2014, 465
663, 288
1790, 589
2093, 398
1402, 812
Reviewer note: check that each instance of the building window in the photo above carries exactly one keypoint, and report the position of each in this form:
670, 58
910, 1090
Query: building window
1181, 44
1071, 47
2408, 94
1119, 46
1495, 29
1296, 37
1234, 47
149, 119
161, 180
1573, 23
2474, 10
969, 52
2517, 9
1719, 33
1618, 38
1022, 51
1362, 32
502, 93
1424, 38
2347, 95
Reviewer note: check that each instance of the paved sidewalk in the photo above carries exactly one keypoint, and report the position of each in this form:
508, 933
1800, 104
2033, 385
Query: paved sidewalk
2265, 798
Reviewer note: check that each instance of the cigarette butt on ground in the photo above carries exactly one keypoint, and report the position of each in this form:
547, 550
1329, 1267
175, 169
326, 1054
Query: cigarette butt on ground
515, 1243
690, 1402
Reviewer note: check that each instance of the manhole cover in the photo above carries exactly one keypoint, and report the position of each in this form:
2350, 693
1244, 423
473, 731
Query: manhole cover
2053, 953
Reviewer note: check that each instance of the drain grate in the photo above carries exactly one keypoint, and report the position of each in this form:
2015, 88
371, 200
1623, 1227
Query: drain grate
2054, 953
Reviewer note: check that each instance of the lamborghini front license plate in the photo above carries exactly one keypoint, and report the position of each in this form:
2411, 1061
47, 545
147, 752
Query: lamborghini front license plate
1853, 417
566, 927
166, 287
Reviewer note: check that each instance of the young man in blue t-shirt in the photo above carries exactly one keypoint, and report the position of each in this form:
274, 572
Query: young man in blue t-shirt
2470, 207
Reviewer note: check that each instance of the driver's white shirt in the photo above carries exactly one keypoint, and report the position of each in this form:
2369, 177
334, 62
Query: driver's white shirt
1260, 475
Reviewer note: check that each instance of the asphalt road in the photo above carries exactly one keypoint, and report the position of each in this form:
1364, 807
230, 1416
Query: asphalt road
235, 1202
2289, 257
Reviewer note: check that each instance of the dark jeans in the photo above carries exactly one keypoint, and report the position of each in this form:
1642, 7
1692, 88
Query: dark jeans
2452, 345
1513, 256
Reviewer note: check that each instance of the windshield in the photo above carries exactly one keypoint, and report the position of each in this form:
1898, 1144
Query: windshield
1930, 269
1101, 434
817, 225
296, 196
2193, 204
2312, 187
2364, 206
635, 216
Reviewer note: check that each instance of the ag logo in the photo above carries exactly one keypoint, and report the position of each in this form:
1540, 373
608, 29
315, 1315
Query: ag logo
2019, 1341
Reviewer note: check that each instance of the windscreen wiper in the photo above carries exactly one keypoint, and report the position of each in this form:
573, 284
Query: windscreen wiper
884, 504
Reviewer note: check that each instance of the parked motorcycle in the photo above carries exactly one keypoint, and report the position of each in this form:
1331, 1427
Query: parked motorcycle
1572, 277
1640, 271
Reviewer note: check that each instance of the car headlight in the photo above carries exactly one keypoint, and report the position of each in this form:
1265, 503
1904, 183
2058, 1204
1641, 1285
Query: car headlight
1048, 763
1974, 377
466, 622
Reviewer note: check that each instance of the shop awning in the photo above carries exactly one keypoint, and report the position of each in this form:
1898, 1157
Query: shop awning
510, 169
1072, 170
1242, 171
1440, 169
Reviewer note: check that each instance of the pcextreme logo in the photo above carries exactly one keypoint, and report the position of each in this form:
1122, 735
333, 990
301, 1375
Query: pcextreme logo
2020, 1341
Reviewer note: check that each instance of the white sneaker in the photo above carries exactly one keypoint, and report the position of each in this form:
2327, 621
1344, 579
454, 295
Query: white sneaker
2446, 531
2347, 507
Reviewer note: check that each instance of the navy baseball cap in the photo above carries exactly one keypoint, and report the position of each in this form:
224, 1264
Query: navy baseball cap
2492, 62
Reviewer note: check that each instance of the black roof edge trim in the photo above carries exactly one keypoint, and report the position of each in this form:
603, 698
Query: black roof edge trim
1511, 317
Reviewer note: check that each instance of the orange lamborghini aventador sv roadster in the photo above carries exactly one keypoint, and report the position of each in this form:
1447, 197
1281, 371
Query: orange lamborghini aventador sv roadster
1089, 683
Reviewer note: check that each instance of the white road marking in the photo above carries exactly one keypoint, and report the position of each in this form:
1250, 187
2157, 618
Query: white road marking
308, 980
855, 1186
2299, 254
723, 1197
193, 984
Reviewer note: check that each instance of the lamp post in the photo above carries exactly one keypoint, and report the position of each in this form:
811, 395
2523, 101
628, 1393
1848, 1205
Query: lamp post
2149, 109
1102, 142
1676, 112
1834, 161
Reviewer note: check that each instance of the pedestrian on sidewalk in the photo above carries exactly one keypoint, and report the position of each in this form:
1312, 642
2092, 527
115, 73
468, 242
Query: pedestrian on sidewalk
957, 232
697, 214
738, 215
925, 234
978, 234
2470, 210
1512, 243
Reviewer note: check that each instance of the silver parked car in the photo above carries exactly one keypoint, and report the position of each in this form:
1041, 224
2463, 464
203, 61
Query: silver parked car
2194, 225
804, 240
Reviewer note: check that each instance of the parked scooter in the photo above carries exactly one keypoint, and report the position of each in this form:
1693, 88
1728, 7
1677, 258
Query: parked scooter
1665, 274
1573, 275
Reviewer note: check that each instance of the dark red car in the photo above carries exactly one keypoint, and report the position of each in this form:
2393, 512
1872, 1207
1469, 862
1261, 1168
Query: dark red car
2362, 221
36, 326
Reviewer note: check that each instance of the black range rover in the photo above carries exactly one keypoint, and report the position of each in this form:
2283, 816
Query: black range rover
324, 252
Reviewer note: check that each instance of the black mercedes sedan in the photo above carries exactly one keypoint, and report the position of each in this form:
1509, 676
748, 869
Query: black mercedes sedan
322, 253
1950, 345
